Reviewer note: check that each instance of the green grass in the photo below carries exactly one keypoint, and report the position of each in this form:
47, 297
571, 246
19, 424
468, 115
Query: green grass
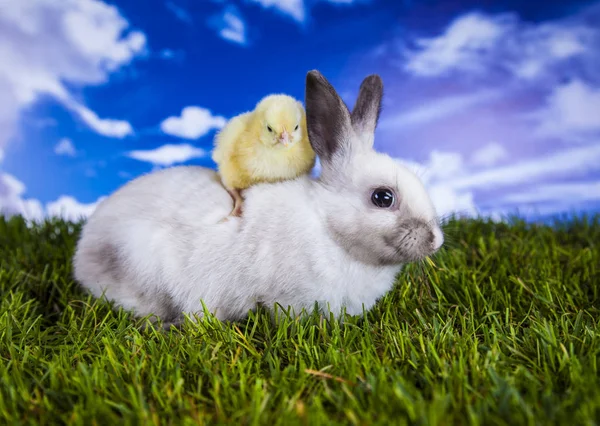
504, 328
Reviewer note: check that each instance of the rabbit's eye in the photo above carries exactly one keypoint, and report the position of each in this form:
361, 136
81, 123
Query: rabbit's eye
383, 198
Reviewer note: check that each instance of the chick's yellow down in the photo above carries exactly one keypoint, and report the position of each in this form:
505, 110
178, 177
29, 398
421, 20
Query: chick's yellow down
268, 144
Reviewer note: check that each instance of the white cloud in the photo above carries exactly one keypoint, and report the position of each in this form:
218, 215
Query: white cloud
167, 155
230, 25
193, 123
438, 109
570, 193
65, 147
443, 165
489, 155
480, 44
449, 201
453, 184
465, 39
295, 9
548, 199
45, 45
104, 126
572, 111
558, 164
12, 201
68, 208
433, 173
179, 12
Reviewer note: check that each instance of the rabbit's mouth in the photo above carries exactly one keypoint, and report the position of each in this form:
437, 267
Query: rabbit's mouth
414, 240
407, 241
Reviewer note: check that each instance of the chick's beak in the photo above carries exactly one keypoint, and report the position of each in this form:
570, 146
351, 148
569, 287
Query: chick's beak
284, 138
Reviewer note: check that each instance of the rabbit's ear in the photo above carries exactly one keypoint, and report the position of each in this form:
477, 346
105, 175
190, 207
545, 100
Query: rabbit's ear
327, 118
367, 108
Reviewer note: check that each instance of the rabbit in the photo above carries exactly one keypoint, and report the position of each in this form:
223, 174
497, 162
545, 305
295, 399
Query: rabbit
158, 245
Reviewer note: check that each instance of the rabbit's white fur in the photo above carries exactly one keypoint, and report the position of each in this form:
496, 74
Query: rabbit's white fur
158, 246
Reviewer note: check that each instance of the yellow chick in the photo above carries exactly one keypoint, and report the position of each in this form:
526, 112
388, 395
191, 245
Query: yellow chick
268, 144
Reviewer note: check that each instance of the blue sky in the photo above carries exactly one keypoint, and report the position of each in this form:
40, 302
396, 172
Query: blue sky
495, 105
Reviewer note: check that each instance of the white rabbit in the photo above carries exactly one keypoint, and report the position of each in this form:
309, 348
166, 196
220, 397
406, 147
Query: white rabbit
158, 245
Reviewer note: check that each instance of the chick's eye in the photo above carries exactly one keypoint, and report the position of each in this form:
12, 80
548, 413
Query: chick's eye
383, 198
269, 128
296, 128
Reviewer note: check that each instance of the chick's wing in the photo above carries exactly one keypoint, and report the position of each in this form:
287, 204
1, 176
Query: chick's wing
225, 140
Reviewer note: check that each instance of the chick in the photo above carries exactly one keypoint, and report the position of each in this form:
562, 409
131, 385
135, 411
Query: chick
268, 144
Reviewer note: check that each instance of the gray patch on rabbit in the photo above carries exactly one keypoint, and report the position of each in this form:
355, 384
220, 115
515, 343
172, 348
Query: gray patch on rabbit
327, 116
171, 312
361, 248
367, 108
107, 256
163, 306
410, 240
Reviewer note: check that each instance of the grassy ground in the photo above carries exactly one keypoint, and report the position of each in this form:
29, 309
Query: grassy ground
503, 329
